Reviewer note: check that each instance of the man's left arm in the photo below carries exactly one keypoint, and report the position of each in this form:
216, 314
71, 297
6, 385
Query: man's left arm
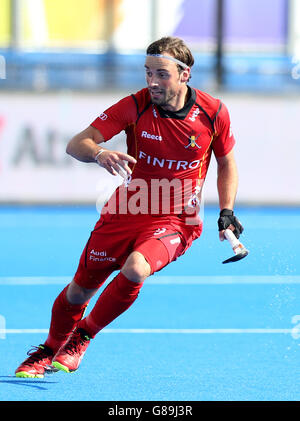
227, 183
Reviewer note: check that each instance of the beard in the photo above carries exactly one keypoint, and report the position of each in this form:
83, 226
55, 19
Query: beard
162, 97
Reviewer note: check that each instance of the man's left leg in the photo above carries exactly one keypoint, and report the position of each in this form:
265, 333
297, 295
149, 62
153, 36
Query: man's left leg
119, 294
150, 255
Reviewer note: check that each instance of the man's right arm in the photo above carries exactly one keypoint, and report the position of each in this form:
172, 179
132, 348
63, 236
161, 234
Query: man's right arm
85, 147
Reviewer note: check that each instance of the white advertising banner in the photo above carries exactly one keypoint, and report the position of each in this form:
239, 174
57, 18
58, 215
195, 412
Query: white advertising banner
34, 131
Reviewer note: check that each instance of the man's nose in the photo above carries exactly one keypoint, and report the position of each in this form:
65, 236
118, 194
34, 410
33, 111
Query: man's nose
153, 81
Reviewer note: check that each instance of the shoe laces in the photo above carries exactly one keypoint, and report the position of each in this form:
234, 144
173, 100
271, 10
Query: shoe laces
79, 338
36, 353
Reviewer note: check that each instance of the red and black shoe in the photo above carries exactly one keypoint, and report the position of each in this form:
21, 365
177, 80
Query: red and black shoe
37, 364
70, 355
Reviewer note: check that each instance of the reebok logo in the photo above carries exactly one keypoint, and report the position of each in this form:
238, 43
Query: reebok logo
151, 136
103, 116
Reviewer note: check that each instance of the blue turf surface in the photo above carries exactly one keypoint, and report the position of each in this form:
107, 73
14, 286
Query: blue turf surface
259, 292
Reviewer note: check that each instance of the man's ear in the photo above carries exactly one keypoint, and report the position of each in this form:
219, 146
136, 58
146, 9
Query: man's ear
185, 75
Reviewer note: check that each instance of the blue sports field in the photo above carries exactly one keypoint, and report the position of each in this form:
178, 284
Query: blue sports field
200, 330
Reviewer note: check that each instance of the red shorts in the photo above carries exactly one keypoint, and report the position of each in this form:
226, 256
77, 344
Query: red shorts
161, 240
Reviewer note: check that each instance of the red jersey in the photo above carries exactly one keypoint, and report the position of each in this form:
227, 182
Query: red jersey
172, 149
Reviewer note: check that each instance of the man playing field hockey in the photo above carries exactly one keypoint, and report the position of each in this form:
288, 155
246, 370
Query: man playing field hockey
152, 218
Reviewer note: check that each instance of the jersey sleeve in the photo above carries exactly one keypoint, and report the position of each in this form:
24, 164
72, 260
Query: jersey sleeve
224, 140
116, 118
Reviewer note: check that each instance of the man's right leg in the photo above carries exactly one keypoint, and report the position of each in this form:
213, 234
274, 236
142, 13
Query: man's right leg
69, 306
67, 311
116, 298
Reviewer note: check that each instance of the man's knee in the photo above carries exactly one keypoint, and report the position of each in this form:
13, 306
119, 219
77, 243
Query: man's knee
79, 295
136, 267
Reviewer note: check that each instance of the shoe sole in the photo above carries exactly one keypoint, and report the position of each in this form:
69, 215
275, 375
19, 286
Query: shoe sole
50, 370
62, 367
23, 374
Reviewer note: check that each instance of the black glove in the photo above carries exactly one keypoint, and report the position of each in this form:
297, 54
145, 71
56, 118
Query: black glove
227, 218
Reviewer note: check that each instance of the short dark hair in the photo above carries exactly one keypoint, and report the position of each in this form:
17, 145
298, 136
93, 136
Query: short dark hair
176, 47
